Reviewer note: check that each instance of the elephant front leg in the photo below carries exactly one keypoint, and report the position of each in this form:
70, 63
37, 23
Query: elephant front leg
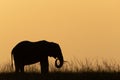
44, 66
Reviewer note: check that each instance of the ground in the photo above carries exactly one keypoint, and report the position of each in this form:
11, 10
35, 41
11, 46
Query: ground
62, 76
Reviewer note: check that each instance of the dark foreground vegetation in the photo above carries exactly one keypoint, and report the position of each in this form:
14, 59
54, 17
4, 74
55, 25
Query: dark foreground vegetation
61, 76
76, 70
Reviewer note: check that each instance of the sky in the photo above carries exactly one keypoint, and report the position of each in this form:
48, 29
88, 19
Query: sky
83, 28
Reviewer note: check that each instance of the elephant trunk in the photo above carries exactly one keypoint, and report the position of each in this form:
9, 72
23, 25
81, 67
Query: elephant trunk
59, 61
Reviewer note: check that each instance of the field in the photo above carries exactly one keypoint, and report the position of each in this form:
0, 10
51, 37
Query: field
72, 70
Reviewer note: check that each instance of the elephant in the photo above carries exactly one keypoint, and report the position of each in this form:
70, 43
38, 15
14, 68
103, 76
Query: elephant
27, 52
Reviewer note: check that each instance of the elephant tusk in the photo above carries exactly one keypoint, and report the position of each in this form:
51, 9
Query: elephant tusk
65, 61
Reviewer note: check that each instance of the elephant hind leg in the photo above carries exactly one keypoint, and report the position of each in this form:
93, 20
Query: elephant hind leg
22, 68
19, 68
16, 69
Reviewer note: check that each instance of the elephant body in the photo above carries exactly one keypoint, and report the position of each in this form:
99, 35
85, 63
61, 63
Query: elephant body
26, 53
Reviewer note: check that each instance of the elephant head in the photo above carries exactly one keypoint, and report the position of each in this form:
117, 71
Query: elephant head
55, 51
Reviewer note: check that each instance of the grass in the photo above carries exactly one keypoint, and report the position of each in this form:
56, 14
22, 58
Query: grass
72, 70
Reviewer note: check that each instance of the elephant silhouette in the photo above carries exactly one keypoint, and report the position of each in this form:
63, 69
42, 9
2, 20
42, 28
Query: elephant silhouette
27, 52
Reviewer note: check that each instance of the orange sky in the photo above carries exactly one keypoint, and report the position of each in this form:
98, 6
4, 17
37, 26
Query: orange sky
83, 28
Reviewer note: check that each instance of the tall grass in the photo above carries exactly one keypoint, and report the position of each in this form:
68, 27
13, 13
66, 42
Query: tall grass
87, 65
72, 70
75, 65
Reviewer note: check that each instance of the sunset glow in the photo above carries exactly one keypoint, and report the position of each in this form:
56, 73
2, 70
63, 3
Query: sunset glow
83, 28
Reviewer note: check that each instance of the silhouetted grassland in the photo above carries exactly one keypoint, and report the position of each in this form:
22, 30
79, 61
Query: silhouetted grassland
72, 70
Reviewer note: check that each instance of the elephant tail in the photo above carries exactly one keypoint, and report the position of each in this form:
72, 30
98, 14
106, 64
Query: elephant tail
12, 61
